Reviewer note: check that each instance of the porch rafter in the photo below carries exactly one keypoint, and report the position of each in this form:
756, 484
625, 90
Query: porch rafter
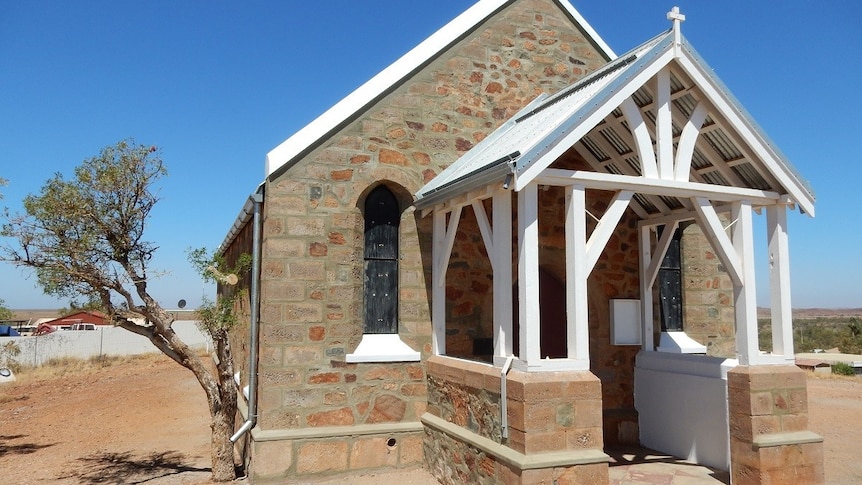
669, 188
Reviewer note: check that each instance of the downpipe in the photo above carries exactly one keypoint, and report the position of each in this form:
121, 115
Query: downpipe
254, 330
504, 406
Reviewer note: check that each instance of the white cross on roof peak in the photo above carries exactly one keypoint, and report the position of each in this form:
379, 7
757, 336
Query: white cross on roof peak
677, 18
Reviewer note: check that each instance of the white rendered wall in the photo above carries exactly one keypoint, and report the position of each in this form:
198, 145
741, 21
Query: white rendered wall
105, 340
681, 401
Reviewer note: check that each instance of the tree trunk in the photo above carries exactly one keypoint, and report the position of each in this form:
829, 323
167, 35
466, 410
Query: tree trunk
221, 398
220, 389
222, 448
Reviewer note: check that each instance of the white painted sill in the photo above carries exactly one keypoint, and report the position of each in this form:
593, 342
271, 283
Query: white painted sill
382, 347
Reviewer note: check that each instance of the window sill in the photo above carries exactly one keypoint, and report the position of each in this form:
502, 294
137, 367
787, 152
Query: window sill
384, 347
677, 342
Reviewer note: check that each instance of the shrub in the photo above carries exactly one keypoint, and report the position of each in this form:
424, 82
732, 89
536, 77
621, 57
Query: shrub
9, 352
843, 369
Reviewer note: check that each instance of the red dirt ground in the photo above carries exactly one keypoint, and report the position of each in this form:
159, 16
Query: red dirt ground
147, 422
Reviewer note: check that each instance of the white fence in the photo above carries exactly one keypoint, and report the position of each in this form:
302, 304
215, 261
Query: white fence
105, 340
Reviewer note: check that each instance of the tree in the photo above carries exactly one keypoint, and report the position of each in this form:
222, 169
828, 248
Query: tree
92, 304
5, 313
84, 237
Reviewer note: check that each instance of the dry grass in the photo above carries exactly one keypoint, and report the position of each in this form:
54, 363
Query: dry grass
833, 377
59, 367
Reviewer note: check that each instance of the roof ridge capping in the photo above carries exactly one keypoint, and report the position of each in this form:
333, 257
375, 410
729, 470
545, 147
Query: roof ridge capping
306, 138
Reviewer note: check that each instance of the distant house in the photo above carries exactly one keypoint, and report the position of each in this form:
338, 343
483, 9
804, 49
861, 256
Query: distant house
501, 255
81, 317
814, 365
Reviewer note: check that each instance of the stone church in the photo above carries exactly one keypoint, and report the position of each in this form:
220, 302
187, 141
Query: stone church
513, 249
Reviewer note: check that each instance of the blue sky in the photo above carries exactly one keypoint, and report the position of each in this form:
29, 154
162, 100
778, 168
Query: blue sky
218, 84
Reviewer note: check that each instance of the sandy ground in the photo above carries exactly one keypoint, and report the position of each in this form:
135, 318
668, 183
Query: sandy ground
148, 423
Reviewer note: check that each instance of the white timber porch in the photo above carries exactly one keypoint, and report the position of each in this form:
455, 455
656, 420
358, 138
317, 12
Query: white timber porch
672, 144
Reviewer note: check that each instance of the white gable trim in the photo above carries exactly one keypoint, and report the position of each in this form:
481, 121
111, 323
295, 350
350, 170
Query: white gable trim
330, 120
727, 108
549, 146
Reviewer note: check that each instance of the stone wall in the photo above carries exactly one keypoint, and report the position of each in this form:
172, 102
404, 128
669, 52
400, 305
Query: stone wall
311, 281
769, 438
311, 276
286, 460
707, 295
547, 413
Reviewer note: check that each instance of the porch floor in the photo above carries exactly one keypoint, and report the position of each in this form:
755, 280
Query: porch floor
635, 465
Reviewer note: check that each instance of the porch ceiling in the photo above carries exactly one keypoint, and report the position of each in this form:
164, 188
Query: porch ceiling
593, 116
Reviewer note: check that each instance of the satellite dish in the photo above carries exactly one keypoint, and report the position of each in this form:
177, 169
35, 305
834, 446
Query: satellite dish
181, 304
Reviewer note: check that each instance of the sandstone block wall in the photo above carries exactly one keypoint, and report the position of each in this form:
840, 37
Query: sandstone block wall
311, 281
547, 412
707, 295
769, 438
312, 271
277, 461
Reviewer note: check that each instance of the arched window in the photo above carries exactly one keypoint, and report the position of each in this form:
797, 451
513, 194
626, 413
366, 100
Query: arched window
670, 285
382, 218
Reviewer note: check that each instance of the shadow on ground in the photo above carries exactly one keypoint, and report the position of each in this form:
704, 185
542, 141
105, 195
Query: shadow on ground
126, 468
632, 456
7, 448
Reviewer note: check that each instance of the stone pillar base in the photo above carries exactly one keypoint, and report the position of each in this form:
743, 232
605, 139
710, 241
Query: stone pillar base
553, 425
769, 438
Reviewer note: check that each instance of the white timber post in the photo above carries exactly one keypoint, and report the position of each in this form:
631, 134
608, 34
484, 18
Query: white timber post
645, 241
663, 125
502, 263
438, 284
577, 326
779, 282
528, 274
745, 294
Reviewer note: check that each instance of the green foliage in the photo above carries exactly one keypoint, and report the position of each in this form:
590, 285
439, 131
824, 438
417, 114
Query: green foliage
219, 316
84, 235
5, 313
819, 333
843, 369
91, 304
9, 353
214, 267
855, 327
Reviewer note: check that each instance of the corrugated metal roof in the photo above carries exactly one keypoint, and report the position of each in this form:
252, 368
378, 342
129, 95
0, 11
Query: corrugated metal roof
532, 126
